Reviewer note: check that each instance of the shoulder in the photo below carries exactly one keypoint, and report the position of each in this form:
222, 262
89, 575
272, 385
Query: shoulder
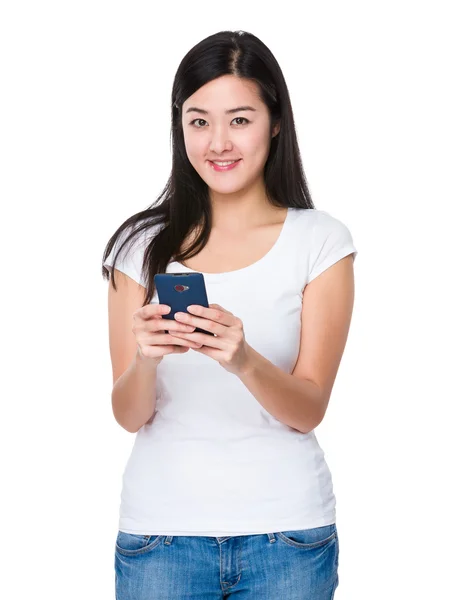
320, 224
329, 239
324, 220
316, 218
129, 248
137, 236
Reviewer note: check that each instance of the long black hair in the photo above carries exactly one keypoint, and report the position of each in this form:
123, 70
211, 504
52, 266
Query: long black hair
184, 203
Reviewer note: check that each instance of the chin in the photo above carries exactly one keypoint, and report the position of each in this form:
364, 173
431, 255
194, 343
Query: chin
225, 189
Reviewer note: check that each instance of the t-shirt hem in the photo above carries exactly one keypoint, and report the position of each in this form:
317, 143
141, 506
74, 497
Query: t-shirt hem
131, 274
257, 529
331, 260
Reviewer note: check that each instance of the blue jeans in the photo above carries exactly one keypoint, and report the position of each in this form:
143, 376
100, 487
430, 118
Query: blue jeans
287, 565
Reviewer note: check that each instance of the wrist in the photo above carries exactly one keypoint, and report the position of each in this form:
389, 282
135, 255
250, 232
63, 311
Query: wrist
250, 362
147, 361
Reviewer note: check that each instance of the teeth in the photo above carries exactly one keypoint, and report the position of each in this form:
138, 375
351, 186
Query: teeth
224, 164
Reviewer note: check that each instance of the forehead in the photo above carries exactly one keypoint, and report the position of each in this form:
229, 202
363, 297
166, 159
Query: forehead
224, 93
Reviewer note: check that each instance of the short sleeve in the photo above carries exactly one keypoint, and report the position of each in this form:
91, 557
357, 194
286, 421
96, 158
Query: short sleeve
331, 241
131, 256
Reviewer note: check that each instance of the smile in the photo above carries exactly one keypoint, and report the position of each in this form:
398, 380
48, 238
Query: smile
224, 166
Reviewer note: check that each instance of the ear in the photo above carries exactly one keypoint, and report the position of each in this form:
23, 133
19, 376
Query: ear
276, 129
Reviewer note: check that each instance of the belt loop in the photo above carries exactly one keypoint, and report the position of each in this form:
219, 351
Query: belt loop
271, 537
168, 539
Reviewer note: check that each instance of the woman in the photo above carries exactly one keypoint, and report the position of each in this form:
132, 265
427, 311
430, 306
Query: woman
227, 491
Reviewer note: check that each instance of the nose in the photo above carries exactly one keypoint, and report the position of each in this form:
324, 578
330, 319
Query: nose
220, 141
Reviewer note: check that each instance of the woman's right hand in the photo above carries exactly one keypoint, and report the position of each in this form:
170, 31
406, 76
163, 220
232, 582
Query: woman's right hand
149, 329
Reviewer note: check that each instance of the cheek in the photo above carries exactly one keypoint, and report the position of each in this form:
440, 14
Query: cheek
256, 150
253, 147
192, 144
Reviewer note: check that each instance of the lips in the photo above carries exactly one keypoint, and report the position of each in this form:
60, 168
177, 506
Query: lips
216, 167
224, 159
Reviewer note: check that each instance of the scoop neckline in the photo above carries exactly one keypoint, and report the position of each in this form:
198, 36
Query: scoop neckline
176, 266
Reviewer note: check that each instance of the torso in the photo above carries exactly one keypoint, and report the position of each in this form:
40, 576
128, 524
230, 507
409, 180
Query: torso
226, 252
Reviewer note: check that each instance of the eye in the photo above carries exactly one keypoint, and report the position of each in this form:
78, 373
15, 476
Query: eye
242, 119
203, 120
192, 122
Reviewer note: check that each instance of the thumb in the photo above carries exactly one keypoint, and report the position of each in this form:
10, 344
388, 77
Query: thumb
220, 307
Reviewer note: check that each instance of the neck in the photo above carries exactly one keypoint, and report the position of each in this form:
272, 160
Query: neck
243, 210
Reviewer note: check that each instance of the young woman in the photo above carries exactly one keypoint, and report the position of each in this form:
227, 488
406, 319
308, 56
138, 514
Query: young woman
227, 492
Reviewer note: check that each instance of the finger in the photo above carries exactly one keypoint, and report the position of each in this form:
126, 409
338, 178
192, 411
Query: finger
220, 308
164, 350
166, 339
170, 325
214, 314
204, 339
181, 349
212, 326
152, 310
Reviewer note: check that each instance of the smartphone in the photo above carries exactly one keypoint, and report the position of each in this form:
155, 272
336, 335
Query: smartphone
180, 290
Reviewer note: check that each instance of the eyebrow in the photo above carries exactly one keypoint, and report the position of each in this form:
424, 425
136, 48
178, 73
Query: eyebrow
227, 112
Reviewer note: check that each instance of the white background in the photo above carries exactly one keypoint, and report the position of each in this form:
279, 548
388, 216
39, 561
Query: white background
84, 142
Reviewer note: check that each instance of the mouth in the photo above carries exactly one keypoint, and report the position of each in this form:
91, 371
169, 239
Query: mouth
224, 165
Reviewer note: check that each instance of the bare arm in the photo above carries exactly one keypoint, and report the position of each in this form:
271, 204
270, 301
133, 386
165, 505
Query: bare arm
134, 394
134, 371
134, 376
300, 399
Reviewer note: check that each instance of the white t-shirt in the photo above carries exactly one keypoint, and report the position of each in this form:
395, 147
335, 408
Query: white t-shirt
213, 461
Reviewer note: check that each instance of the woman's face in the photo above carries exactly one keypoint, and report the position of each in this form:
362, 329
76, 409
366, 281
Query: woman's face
210, 133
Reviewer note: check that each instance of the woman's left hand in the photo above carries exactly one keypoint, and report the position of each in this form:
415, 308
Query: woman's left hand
228, 346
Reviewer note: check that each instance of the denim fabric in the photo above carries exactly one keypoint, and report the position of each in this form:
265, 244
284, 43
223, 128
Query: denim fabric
286, 565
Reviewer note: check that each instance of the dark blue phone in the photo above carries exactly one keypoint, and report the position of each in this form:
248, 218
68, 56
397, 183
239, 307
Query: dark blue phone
180, 290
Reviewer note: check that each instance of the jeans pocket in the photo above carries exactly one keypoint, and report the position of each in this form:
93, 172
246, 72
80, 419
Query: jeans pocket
309, 538
130, 544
